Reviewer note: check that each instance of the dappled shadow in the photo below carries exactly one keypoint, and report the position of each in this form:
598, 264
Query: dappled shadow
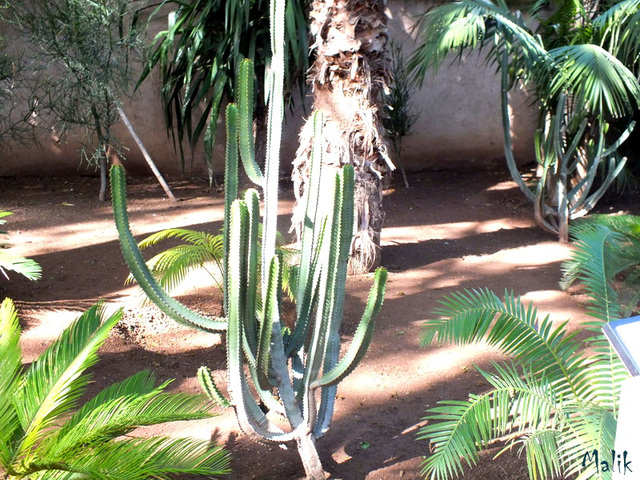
447, 232
405, 256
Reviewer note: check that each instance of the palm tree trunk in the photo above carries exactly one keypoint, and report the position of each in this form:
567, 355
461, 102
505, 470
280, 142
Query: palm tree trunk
350, 72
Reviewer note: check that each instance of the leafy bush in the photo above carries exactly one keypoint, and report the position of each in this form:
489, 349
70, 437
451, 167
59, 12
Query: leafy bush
41, 436
553, 400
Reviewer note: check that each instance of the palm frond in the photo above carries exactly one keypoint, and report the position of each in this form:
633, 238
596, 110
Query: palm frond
617, 30
141, 458
461, 429
470, 24
10, 374
599, 82
24, 266
55, 380
590, 429
594, 263
122, 415
541, 452
172, 266
512, 327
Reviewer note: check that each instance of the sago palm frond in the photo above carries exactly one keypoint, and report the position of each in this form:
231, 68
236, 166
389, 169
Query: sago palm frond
111, 418
510, 326
10, 367
24, 266
594, 263
462, 429
533, 402
55, 381
200, 251
40, 437
142, 458
599, 82
592, 428
541, 451
15, 263
174, 264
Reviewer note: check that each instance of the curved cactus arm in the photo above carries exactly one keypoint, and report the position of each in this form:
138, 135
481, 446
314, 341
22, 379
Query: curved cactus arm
353, 356
230, 183
362, 336
245, 127
250, 416
621, 139
342, 233
506, 129
616, 165
271, 315
208, 384
139, 269
250, 320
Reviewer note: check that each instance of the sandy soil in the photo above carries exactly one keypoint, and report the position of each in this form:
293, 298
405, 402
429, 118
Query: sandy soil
447, 232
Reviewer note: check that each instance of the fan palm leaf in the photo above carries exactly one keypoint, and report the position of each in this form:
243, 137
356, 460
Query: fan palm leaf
599, 82
618, 30
456, 26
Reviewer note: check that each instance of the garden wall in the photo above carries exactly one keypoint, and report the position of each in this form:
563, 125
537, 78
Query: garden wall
459, 123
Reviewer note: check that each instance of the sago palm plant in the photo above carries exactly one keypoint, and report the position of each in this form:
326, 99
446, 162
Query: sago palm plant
198, 250
44, 435
202, 251
554, 401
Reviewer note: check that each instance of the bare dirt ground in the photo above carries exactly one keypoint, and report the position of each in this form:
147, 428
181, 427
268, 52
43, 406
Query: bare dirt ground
447, 232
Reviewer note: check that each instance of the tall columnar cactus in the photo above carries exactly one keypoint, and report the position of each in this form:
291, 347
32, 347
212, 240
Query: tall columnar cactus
294, 369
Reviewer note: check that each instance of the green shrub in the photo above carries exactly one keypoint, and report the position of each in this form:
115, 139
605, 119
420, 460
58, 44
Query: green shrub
44, 435
553, 400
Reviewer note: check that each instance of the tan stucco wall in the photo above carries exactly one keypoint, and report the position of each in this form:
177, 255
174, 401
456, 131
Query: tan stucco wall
459, 123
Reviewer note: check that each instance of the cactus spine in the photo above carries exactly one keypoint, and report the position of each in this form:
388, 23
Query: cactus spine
294, 371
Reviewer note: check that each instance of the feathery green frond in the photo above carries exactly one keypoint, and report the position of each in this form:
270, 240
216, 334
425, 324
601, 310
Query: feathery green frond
458, 430
10, 375
56, 379
174, 264
595, 264
42, 438
156, 457
510, 326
